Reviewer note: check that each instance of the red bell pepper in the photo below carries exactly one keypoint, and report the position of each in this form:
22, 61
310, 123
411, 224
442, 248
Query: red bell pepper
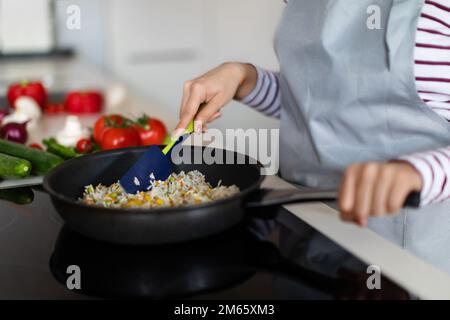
78, 102
34, 90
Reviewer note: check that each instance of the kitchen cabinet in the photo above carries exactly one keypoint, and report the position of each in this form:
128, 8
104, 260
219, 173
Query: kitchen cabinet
27, 30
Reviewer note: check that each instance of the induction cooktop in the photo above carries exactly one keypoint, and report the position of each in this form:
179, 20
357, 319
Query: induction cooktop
275, 257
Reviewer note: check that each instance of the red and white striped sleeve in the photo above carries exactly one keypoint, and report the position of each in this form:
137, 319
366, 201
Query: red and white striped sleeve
432, 56
434, 168
432, 71
265, 97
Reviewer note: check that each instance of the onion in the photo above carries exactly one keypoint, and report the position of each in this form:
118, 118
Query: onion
15, 132
3, 113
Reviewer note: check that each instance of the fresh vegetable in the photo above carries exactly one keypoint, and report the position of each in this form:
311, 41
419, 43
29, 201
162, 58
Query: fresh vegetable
116, 96
13, 168
95, 147
58, 149
16, 132
36, 146
27, 110
115, 131
16, 117
104, 122
28, 106
84, 102
55, 108
84, 146
151, 130
41, 161
33, 90
20, 196
3, 114
116, 138
72, 132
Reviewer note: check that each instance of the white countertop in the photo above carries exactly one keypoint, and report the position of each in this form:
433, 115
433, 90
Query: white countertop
399, 265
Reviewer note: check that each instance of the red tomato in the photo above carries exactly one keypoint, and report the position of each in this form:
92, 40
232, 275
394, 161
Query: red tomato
34, 90
55, 108
104, 122
36, 146
84, 146
151, 131
116, 138
84, 102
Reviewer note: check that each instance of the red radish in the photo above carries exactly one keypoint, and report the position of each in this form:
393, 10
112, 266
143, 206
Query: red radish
36, 146
15, 132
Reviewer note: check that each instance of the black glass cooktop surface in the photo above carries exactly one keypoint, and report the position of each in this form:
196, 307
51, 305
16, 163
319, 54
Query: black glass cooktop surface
276, 257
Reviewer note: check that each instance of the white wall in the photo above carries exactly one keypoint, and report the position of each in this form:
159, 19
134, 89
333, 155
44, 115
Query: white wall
155, 45
245, 31
90, 40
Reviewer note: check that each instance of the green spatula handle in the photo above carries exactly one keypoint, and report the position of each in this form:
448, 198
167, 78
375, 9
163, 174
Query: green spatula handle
188, 130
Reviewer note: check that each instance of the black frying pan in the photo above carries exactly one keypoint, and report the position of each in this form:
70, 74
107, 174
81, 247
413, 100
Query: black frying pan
65, 184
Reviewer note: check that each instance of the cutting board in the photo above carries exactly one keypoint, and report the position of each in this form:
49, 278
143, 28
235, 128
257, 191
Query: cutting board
27, 182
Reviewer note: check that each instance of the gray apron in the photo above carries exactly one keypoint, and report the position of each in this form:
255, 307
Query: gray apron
348, 95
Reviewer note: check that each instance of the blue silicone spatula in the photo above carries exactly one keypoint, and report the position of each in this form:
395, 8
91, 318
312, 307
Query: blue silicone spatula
154, 164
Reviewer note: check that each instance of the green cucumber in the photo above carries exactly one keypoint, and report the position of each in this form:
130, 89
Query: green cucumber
41, 161
17, 195
13, 168
64, 152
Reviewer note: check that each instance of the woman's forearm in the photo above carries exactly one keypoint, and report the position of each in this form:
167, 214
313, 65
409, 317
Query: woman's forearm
249, 80
264, 95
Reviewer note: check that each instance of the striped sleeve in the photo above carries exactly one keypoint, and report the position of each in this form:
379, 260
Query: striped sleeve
265, 97
432, 67
434, 168
432, 56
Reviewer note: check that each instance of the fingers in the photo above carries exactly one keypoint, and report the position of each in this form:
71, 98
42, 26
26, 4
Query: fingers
375, 189
186, 94
381, 191
215, 116
215, 88
208, 113
364, 191
398, 193
356, 192
347, 191
194, 94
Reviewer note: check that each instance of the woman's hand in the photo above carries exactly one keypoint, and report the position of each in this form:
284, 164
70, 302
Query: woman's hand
376, 189
214, 90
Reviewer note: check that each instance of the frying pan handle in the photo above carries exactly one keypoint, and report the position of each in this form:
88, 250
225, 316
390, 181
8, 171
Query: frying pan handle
276, 197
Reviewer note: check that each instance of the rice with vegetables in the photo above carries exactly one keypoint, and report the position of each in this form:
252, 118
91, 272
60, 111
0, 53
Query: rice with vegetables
177, 190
